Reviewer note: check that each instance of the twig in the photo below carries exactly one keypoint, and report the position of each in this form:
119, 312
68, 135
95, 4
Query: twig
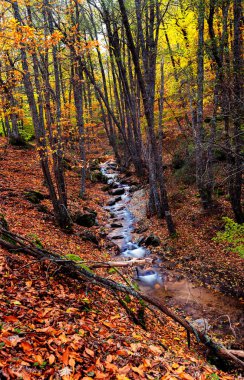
72, 270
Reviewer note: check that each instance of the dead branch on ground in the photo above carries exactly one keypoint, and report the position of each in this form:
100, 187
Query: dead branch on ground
15, 243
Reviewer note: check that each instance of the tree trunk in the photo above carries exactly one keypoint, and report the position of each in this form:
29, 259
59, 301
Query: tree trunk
235, 183
202, 164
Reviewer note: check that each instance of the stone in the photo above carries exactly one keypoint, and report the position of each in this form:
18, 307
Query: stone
111, 202
141, 240
117, 199
42, 208
87, 220
116, 225
89, 236
94, 165
90, 210
117, 237
106, 188
3, 222
149, 240
98, 176
118, 191
34, 196
152, 240
140, 229
133, 188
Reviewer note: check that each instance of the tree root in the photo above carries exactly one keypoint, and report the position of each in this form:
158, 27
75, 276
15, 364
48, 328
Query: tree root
15, 243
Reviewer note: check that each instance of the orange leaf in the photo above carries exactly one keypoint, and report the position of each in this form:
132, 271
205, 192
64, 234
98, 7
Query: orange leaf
25, 375
51, 359
124, 370
101, 375
186, 376
122, 353
38, 359
111, 367
27, 347
108, 324
138, 370
11, 318
89, 352
72, 363
65, 356
109, 359
155, 350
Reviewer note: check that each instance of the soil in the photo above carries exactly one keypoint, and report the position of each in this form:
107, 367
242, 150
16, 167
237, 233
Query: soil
52, 327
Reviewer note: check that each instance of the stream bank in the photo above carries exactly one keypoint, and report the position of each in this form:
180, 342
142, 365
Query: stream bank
210, 310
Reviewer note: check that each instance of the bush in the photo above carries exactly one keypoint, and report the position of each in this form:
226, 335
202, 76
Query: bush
177, 161
233, 234
183, 163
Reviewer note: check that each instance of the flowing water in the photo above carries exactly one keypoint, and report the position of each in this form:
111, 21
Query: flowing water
208, 309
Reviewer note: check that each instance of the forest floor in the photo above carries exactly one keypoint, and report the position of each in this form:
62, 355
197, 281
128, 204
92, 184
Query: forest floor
52, 327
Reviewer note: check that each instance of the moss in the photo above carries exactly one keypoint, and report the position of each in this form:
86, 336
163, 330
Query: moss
34, 196
3, 222
79, 260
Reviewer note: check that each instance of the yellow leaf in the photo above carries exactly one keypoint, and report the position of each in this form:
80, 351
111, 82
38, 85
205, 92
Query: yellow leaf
180, 369
16, 302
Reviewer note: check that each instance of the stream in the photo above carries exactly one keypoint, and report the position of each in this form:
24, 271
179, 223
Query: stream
209, 310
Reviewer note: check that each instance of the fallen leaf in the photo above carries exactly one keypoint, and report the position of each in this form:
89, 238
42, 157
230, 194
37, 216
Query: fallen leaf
65, 356
155, 349
72, 363
109, 358
51, 359
89, 352
138, 370
10, 318
27, 347
186, 376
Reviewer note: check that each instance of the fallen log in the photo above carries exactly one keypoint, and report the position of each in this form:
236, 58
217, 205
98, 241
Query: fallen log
238, 353
128, 263
16, 243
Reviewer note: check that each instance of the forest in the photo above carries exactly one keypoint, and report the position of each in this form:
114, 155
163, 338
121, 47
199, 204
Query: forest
121, 207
